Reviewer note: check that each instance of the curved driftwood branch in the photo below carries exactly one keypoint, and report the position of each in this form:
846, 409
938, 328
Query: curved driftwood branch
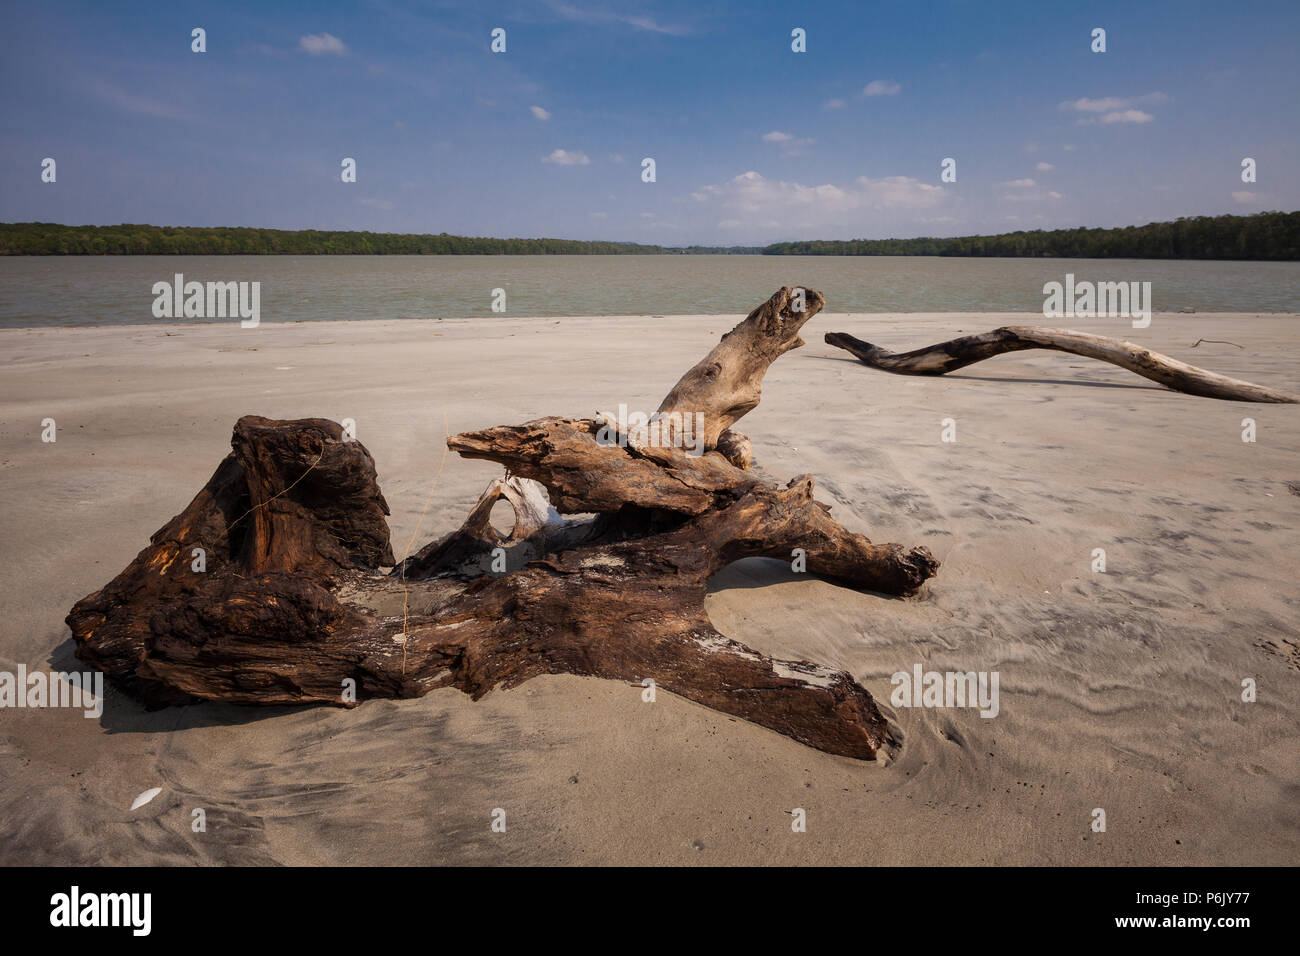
293, 604
958, 353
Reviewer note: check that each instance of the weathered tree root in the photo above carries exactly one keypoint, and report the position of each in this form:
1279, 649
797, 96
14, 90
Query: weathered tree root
294, 605
958, 353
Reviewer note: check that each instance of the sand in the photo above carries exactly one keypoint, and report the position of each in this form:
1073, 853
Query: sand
1118, 690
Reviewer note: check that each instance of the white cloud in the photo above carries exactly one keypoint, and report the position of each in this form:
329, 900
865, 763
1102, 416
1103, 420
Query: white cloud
833, 104
1111, 103
318, 44
881, 88
1244, 196
790, 145
1086, 105
1122, 116
599, 215
562, 157
540, 113
750, 202
596, 15
131, 103
1027, 190
1114, 109
616, 157
1044, 167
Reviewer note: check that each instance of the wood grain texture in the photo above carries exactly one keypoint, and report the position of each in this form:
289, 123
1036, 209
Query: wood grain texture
969, 349
300, 601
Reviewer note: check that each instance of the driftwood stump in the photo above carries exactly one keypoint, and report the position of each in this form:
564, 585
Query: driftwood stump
295, 604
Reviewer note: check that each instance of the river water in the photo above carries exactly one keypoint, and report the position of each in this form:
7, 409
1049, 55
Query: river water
117, 290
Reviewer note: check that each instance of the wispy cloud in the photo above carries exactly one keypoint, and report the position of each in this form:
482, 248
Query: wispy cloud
881, 88
133, 103
790, 144
601, 15
1044, 167
1122, 116
1027, 191
1114, 109
320, 44
833, 104
540, 113
563, 157
751, 202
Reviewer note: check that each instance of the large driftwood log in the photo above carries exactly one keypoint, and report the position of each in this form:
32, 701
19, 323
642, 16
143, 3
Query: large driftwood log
295, 606
958, 353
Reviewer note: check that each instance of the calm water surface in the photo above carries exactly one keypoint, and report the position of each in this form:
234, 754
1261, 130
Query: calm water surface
116, 290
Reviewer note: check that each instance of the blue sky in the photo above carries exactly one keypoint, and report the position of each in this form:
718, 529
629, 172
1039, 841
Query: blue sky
752, 142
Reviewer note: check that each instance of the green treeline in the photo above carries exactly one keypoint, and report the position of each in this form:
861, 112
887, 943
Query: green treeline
1265, 235
51, 239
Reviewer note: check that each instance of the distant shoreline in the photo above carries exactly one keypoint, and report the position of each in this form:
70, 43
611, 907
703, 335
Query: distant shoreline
1263, 237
